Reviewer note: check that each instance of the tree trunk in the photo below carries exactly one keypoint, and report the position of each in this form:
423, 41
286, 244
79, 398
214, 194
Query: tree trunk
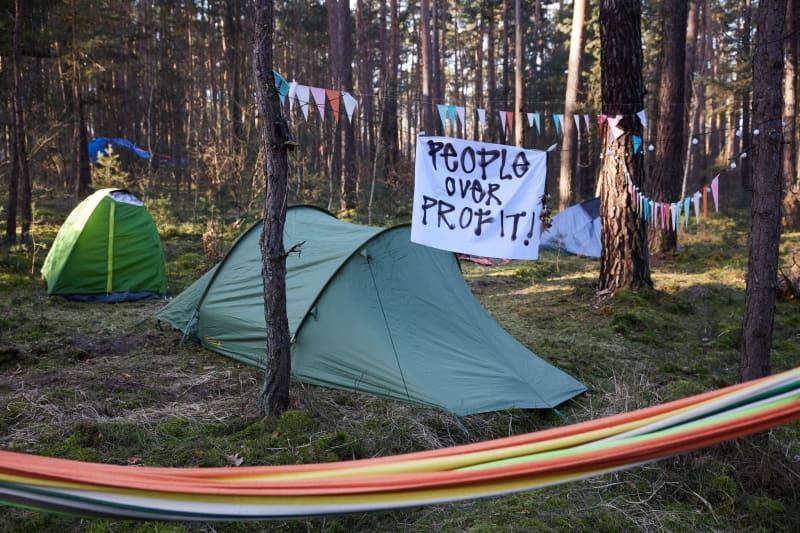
569, 144
624, 258
275, 391
389, 131
664, 182
519, 68
477, 131
791, 183
765, 229
349, 177
487, 13
426, 68
747, 136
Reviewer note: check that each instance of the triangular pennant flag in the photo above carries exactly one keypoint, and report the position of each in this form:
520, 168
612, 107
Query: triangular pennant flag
334, 97
292, 94
510, 116
642, 118
503, 119
462, 116
686, 206
676, 221
715, 192
637, 143
319, 99
557, 124
537, 121
587, 120
303, 98
600, 119
451, 114
442, 114
696, 202
349, 105
577, 119
482, 118
281, 84
551, 147
530, 120
616, 131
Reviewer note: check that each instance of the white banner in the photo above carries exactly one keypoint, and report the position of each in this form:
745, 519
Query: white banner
478, 198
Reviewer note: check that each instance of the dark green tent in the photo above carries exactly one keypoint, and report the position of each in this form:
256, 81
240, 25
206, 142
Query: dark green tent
108, 249
370, 311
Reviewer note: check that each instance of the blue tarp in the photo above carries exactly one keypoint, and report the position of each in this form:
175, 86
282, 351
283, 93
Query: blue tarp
575, 230
100, 145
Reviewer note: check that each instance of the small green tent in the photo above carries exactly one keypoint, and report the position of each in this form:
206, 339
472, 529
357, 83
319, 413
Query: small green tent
108, 249
370, 311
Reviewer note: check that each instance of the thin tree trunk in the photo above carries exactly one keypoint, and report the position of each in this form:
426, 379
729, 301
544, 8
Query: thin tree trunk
519, 68
487, 11
747, 136
765, 228
275, 391
349, 176
624, 258
569, 146
426, 68
791, 184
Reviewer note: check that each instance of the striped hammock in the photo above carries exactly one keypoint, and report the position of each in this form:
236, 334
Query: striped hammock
478, 470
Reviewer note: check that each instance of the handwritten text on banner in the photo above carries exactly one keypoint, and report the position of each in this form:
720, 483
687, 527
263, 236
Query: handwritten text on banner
478, 198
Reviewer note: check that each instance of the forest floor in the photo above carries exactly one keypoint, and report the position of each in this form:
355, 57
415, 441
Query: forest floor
105, 383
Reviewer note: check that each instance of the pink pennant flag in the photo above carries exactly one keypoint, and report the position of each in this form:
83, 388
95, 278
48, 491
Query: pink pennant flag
482, 118
715, 192
503, 119
600, 119
616, 131
319, 99
303, 98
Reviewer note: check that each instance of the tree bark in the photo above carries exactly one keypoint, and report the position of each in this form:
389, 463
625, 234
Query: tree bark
569, 144
519, 68
664, 181
764, 240
747, 137
791, 183
426, 68
349, 176
624, 261
275, 391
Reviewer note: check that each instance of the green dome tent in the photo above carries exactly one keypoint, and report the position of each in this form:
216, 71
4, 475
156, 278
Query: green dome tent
109, 250
370, 311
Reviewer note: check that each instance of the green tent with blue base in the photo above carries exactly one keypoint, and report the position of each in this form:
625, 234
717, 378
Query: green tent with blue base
370, 311
108, 250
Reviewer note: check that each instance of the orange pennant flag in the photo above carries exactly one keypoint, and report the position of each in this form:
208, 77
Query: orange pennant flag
334, 97
510, 116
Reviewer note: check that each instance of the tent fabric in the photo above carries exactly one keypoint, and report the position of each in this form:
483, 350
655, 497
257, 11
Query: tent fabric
108, 249
575, 230
99, 145
370, 311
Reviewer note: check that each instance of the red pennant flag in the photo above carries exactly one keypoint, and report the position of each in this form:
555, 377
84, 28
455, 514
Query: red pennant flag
510, 119
334, 97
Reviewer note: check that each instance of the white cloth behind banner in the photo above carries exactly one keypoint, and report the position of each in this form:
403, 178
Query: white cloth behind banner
478, 198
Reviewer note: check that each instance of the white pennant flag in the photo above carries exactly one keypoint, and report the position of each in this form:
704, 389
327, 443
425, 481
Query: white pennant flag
503, 119
642, 118
462, 115
482, 118
577, 122
292, 93
588, 122
303, 98
530, 120
319, 98
349, 105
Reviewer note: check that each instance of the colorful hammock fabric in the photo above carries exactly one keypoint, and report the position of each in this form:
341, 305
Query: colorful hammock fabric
478, 470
